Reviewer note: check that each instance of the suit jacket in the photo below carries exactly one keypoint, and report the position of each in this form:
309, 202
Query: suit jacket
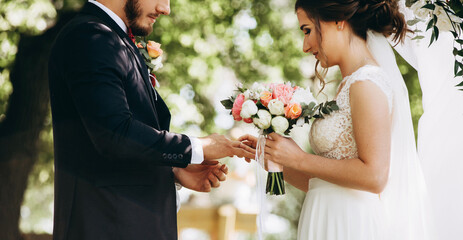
113, 152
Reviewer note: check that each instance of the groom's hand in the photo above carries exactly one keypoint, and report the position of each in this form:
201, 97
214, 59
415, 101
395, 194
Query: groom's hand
217, 146
201, 177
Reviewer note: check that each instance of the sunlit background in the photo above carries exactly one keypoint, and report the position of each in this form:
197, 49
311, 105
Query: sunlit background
209, 47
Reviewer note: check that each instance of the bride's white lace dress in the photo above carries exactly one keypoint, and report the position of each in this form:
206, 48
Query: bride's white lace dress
330, 211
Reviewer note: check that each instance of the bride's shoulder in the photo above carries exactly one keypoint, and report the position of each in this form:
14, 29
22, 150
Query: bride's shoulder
376, 75
371, 73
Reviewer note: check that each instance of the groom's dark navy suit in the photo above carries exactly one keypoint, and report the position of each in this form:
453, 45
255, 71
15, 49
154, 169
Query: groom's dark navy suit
113, 152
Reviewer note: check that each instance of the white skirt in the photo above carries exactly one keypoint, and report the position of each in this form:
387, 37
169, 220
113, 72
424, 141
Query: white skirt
332, 212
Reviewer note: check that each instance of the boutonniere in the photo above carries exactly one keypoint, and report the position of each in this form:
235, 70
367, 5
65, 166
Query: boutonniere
152, 54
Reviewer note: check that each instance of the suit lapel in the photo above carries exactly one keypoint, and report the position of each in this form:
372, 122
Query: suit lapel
92, 9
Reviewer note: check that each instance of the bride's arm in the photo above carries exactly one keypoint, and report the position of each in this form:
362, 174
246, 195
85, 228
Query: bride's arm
372, 131
298, 179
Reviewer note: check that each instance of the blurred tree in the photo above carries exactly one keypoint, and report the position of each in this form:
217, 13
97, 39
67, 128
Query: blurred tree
23, 117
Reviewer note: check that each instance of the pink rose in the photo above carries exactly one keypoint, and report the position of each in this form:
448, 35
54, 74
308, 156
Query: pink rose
283, 92
237, 105
247, 120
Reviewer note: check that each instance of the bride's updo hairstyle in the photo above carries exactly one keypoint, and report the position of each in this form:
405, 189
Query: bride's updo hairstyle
382, 16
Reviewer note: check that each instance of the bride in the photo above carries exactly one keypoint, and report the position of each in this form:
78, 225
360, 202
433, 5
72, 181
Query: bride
365, 181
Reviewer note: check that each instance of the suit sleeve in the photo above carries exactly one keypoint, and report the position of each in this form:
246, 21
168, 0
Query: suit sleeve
94, 72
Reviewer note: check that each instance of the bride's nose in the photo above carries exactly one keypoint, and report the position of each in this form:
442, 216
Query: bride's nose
306, 46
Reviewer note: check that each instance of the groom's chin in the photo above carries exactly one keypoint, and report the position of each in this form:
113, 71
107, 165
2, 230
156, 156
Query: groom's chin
141, 30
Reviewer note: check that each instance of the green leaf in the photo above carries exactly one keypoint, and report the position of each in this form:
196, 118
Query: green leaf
455, 68
429, 6
430, 24
436, 31
460, 84
150, 65
459, 41
432, 39
312, 105
227, 103
418, 37
413, 22
335, 107
439, 3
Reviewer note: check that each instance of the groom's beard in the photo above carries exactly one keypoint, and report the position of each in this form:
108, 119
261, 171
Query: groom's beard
133, 13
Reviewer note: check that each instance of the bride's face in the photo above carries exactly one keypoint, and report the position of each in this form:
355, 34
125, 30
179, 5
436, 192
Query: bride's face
327, 50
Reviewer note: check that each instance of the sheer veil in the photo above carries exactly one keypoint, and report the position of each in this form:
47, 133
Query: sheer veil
405, 194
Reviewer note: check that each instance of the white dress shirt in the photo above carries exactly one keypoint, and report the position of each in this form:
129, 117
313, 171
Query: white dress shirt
197, 156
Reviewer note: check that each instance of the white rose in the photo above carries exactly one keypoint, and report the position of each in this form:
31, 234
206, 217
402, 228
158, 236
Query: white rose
280, 124
421, 13
248, 109
263, 119
276, 107
303, 96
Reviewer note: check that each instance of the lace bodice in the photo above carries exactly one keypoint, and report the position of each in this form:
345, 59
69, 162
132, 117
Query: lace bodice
333, 136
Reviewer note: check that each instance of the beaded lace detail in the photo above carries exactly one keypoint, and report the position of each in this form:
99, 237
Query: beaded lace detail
333, 136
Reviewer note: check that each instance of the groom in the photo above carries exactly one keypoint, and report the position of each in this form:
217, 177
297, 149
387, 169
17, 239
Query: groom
115, 160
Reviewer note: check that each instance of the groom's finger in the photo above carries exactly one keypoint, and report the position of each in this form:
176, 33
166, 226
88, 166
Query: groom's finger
219, 174
206, 186
215, 183
224, 168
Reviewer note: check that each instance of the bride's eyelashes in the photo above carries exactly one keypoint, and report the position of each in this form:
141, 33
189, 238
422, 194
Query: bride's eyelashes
306, 31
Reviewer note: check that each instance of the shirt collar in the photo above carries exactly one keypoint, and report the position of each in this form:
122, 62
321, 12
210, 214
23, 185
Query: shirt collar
114, 16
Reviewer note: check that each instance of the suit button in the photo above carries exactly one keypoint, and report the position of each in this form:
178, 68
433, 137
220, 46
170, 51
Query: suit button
164, 155
169, 156
174, 156
180, 156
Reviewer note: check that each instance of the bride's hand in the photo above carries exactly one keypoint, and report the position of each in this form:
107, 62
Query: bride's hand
283, 151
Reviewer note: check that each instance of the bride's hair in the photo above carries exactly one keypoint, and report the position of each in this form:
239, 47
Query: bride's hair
382, 16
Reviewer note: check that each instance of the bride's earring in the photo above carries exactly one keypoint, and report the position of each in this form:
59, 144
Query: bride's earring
339, 27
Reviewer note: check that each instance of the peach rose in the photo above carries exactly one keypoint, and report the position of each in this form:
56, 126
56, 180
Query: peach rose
154, 49
237, 105
265, 97
283, 93
293, 111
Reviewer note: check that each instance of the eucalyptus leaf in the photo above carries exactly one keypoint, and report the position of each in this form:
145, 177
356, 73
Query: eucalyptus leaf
413, 22
430, 24
418, 37
429, 6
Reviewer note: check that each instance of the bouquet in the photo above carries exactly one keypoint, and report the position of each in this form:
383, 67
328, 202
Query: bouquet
275, 108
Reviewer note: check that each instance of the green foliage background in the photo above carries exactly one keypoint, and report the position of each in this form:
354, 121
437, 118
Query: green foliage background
254, 40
